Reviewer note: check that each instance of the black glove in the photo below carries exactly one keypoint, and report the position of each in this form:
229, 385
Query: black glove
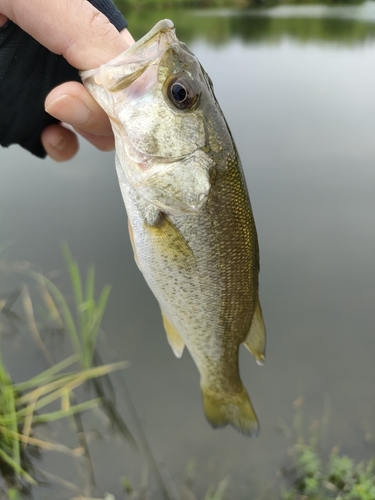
28, 72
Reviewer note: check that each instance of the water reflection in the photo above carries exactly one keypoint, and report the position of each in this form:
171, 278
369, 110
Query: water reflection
364, 11
339, 24
302, 114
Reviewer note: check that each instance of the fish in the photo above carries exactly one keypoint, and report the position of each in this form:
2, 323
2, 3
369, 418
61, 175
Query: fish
190, 220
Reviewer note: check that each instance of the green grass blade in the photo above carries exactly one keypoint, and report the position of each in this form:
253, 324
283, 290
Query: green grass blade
75, 275
103, 299
16, 452
8, 409
44, 390
42, 396
47, 375
94, 324
64, 308
90, 286
53, 312
79, 408
16, 467
76, 281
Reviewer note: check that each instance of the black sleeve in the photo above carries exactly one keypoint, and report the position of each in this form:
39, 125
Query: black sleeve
28, 72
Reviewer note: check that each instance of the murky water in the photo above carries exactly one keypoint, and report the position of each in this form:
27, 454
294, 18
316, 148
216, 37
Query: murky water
297, 87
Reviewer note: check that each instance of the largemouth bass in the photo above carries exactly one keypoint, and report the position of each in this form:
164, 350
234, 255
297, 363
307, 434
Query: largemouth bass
190, 219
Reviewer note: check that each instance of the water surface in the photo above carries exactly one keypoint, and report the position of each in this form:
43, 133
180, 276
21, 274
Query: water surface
297, 87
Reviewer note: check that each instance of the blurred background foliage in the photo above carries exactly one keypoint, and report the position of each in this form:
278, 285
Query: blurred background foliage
209, 20
141, 4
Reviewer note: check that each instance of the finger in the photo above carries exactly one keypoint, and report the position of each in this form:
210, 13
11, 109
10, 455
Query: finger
101, 142
60, 143
3, 20
71, 103
65, 27
127, 37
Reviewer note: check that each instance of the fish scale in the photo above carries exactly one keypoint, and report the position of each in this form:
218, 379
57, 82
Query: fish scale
190, 218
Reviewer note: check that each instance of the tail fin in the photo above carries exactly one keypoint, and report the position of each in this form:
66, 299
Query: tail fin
234, 409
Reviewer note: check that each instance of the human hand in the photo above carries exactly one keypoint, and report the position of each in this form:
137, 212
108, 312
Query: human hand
72, 104
86, 39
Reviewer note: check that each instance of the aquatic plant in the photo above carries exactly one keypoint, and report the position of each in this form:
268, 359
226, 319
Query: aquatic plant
27, 404
21, 409
10, 449
314, 475
338, 477
83, 332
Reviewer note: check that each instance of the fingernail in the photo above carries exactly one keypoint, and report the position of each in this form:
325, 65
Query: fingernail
59, 144
69, 110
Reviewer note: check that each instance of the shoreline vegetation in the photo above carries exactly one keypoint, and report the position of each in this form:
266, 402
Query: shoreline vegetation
218, 22
51, 394
144, 4
316, 472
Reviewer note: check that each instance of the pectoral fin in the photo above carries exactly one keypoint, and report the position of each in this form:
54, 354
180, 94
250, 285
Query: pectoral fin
174, 338
256, 339
172, 245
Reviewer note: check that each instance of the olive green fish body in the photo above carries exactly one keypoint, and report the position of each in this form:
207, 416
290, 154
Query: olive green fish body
190, 218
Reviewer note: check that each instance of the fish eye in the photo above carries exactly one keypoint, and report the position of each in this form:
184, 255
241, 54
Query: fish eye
181, 93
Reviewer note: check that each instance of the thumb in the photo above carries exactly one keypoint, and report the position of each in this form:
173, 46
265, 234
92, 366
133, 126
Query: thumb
74, 29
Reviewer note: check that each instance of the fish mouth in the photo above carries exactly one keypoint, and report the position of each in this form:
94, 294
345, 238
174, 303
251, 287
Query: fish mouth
111, 75
122, 71
162, 27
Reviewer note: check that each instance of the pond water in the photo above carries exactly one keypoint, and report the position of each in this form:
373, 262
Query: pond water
296, 85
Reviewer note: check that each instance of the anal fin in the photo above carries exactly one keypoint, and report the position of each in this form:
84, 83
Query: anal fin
174, 338
256, 339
